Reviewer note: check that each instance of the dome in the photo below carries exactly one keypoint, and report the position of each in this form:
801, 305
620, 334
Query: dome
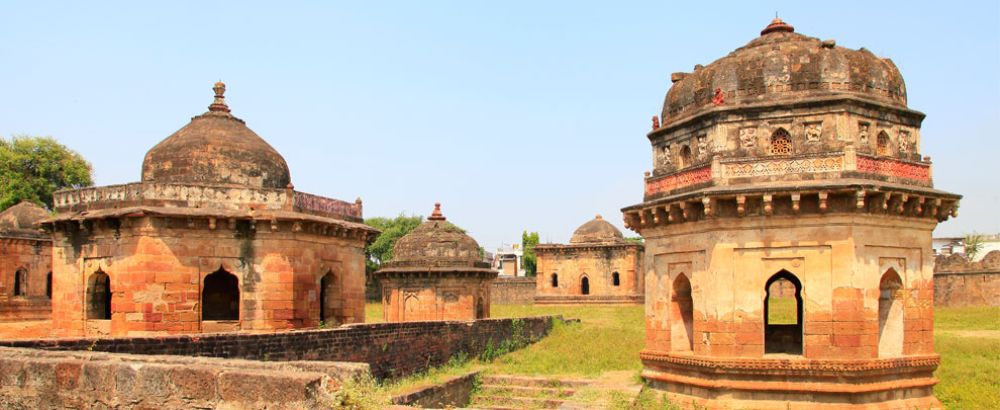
216, 148
22, 217
436, 243
782, 65
597, 230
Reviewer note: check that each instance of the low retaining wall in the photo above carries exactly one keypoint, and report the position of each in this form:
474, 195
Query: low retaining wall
451, 393
32, 379
391, 349
589, 300
513, 291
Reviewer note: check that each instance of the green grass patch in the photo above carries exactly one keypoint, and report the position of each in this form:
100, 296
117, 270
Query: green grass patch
967, 318
782, 310
968, 340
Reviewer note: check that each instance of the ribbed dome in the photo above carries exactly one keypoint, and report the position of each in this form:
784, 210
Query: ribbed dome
782, 65
22, 217
436, 243
597, 230
216, 148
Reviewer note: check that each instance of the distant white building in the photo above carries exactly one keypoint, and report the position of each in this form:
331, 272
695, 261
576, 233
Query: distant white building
952, 245
508, 260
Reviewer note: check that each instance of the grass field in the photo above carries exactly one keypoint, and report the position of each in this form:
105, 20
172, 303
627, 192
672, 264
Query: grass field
610, 337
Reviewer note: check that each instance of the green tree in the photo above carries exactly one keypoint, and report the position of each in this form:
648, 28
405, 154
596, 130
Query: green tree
973, 245
32, 168
529, 260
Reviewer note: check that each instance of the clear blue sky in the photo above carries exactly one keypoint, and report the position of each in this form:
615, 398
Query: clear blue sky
515, 115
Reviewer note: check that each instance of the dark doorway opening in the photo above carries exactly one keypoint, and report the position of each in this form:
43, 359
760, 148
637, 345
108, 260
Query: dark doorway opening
585, 286
220, 298
99, 296
783, 314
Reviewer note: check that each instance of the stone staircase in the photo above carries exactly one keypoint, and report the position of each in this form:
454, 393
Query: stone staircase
519, 392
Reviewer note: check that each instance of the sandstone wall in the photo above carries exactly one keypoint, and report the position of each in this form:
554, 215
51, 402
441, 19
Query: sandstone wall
839, 259
35, 257
513, 291
959, 282
39, 379
158, 266
391, 349
570, 264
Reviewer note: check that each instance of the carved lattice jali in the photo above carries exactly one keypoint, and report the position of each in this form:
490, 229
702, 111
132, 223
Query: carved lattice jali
893, 168
781, 143
782, 167
679, 180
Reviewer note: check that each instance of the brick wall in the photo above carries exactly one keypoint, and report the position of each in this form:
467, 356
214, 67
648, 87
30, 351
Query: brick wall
513, 291
391, 349
960, 282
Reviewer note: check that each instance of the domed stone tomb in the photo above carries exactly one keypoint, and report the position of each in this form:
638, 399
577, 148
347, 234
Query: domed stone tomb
25, 265
437, 273
597, 266
788, 222
214, 238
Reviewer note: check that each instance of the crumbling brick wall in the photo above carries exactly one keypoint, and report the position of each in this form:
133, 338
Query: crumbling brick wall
391, 349
959, 282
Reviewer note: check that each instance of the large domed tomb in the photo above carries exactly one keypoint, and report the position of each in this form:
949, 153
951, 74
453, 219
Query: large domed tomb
213, 238
787, 222
436, 273
598, 266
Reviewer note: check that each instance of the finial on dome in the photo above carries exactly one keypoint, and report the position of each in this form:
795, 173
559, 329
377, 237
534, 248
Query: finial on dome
777, 26
436, 215
598, 217
219, 105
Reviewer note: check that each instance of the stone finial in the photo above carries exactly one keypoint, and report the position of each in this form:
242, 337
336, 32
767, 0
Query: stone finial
656, 123
436, 215
598, 217
777, 26
219, 105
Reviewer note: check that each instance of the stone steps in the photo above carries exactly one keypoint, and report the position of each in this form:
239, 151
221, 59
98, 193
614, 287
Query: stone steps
519, 392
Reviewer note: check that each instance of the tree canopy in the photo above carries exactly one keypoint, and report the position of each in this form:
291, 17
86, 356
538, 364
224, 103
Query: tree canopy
529, 260
32, 168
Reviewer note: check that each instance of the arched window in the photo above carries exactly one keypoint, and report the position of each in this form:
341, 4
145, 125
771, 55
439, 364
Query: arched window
615, 279
220, 299
584, 286
681, 315
781, 142
20, 282
48, 285
685, 156
330, 302
555, 280
890, 315
783, 314
99, 296
882, 144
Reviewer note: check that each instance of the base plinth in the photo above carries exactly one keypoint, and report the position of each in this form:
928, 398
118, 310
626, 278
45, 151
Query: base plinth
791, 382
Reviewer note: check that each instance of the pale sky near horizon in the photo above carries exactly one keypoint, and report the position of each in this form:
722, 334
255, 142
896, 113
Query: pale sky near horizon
516, 115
